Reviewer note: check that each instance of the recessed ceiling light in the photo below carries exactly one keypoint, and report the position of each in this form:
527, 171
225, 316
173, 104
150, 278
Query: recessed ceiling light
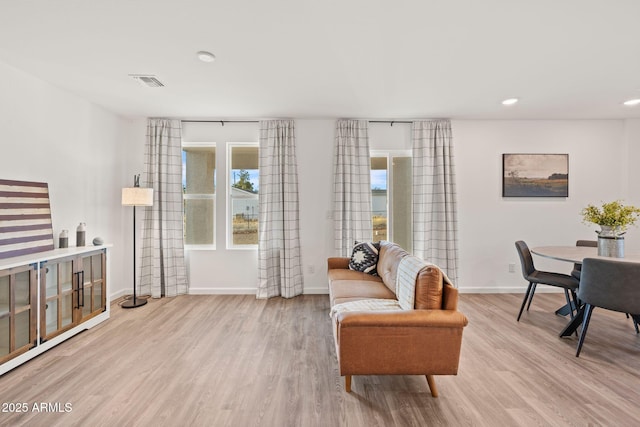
205, 56
510, 101
632, 102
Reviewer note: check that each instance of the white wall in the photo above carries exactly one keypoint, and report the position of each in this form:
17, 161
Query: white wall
221, 271
632, 141
79, 149
489, 224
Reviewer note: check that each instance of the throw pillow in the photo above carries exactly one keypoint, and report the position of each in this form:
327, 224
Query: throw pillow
364, 257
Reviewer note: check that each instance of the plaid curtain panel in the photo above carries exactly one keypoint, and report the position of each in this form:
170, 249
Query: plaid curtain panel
435, 224
163, 271
279, 262
351, 185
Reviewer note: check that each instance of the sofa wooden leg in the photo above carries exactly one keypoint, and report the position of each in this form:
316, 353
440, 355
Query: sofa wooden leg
347, 383
432, 385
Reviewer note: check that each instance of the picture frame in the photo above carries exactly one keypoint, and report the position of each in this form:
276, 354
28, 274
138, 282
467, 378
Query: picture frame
535, 175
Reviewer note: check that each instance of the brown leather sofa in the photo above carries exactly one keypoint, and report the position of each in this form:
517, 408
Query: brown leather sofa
423, 341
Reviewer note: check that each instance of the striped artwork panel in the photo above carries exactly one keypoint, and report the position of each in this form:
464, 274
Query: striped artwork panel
25, 218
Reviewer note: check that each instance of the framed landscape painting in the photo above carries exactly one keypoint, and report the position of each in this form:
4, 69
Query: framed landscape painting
535, 175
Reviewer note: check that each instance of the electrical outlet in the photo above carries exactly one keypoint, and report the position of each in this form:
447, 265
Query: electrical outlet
512, 268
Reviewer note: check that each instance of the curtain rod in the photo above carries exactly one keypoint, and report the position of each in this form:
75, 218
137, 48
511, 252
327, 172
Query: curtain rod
222, 122
389, 121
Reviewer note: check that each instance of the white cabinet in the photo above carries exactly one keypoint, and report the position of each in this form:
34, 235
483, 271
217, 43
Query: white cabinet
48, 297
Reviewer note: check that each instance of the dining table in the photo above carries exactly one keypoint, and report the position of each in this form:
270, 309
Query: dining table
576, 254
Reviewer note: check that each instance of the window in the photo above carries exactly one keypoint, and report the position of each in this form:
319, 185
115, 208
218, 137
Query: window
391, 197
243, 195
198, 185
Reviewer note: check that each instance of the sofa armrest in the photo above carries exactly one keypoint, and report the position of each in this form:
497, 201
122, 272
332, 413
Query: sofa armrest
411, 342
405, 318
449, 297
338, 263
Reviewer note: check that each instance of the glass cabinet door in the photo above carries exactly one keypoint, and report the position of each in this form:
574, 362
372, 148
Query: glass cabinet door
93, 285
74, 290
17, 311
24, 324
5, 313
58, 298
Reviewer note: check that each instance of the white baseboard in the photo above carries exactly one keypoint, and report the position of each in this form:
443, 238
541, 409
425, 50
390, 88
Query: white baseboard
222, 291
246, 291
316, 291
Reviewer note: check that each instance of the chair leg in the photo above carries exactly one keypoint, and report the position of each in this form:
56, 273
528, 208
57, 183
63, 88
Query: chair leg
524, 301
588, 309
636, 321
533, 291
347, 383
576, 303
432, 385
576, 306
568, 298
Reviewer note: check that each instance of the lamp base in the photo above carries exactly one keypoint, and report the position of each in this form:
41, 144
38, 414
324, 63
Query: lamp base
133, 303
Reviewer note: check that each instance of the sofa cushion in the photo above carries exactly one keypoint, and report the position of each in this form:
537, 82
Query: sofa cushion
357, 289
364, 257
344, 274
366, 305
390, 256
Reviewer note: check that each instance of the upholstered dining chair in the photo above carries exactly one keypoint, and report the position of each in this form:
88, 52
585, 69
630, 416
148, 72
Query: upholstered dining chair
537, 277
577, 267
608, 284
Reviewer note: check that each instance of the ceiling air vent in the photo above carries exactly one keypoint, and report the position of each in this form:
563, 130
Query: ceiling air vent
147, 80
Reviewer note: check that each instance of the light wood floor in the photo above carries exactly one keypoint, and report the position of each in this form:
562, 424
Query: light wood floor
238, 361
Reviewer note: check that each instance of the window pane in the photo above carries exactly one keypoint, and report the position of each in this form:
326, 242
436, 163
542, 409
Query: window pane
379, 198
199, 166
199, 221
244, 179
22, 288
22, 322
245, 221
401, 202
198, 182
51, 316
52, 279
5, 338
4, 295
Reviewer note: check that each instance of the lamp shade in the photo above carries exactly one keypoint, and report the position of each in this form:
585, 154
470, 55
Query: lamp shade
137, 196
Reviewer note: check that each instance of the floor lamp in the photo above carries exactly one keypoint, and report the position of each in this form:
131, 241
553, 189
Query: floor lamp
136, 196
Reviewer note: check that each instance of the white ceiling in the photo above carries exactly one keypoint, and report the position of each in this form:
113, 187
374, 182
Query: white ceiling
335, 58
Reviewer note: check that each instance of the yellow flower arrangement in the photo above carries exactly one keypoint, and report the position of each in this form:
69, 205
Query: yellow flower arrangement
613, 214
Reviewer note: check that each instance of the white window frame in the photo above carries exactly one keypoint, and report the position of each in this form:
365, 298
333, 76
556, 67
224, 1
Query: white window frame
203, 196
229, 221
390, 154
